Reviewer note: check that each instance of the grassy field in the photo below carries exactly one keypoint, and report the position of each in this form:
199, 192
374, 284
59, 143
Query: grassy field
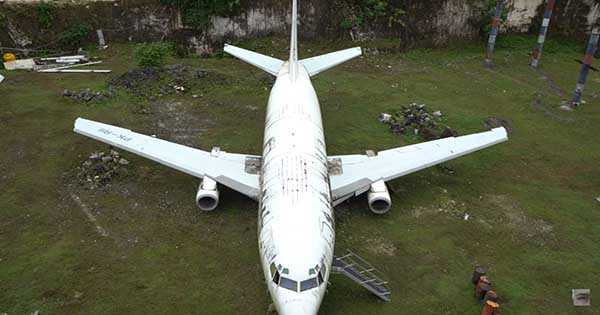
534, 221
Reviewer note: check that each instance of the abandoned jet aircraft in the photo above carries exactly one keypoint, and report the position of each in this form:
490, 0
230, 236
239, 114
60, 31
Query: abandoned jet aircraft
293, 181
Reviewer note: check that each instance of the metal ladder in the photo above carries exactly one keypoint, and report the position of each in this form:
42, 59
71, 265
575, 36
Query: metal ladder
360, 271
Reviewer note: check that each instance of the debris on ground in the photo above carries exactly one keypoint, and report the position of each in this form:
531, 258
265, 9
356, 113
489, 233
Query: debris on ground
100, 168
598, 198
87, 95
581, 297
1, 78
20, 64
416, 119
495, 122
566, 108
172, 79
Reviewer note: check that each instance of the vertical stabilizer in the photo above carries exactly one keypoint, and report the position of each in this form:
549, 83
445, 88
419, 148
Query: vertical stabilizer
294, 41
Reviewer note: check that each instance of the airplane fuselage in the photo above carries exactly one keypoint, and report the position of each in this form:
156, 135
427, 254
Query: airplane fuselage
296, 225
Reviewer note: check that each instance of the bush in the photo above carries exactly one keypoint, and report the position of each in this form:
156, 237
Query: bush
45, 13
75, 34
152, 54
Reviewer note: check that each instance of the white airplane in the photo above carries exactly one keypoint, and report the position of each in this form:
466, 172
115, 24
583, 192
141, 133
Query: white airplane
294, 181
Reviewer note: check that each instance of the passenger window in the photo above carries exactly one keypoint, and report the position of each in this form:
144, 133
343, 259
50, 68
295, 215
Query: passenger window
289, 284
308, 284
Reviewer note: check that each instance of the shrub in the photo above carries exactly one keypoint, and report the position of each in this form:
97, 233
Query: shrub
45, 13
152, 54
75, 34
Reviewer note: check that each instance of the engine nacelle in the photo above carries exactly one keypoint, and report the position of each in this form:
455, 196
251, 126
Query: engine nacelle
379, 198
207, 197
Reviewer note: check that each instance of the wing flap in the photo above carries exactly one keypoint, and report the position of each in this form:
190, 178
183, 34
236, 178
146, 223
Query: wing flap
225, 168
360, 171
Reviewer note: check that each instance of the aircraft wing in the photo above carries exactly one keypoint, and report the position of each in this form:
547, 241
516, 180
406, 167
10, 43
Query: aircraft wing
355, 173
236, 171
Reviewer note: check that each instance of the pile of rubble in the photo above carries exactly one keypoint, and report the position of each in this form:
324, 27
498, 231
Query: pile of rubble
100, 168
87, 95
171, 79
136, 80
415, 118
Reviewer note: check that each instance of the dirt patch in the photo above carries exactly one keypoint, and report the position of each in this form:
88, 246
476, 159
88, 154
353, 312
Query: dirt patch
180, 122
446, 206
539, 105
381, 246
538, 231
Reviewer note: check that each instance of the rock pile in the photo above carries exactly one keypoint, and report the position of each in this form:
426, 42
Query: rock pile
100, 168
136, 80
87, 95
415, 118
177, 78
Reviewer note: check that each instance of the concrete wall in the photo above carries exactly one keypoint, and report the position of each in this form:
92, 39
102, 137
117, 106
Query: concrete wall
426, 22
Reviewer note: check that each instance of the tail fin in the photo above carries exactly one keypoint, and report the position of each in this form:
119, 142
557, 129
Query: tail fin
294, 41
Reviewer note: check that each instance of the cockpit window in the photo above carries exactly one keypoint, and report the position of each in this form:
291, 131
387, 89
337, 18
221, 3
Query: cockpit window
308, 284
274, 274
320, 277
288, 284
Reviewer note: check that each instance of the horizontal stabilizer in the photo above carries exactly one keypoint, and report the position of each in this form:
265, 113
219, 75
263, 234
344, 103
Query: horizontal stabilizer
266, 63
316, 65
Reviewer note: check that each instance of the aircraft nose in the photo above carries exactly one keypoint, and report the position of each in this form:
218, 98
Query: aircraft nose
298, 307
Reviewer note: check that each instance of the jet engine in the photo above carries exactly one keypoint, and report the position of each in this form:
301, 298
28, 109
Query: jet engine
207, 197
379, 198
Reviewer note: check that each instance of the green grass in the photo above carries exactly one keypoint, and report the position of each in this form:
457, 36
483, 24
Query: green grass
534, 218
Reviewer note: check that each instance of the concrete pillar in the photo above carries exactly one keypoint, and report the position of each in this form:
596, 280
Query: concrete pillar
537, 51
494, 33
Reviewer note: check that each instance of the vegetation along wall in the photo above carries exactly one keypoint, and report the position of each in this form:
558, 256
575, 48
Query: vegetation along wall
200, 26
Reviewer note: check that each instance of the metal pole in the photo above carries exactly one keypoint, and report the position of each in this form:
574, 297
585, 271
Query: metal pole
585, 67
493, 33
537, 51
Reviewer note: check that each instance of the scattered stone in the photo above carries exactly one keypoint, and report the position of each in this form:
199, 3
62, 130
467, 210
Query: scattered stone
86, 95
416, 117
385, 118
466, 217
100, 168
78, 294
195, 96
495, 122
598, 199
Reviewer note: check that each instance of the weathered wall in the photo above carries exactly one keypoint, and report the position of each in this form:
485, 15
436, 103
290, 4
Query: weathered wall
425, 22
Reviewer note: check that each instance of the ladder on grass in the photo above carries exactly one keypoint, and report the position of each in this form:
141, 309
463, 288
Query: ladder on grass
360, 271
